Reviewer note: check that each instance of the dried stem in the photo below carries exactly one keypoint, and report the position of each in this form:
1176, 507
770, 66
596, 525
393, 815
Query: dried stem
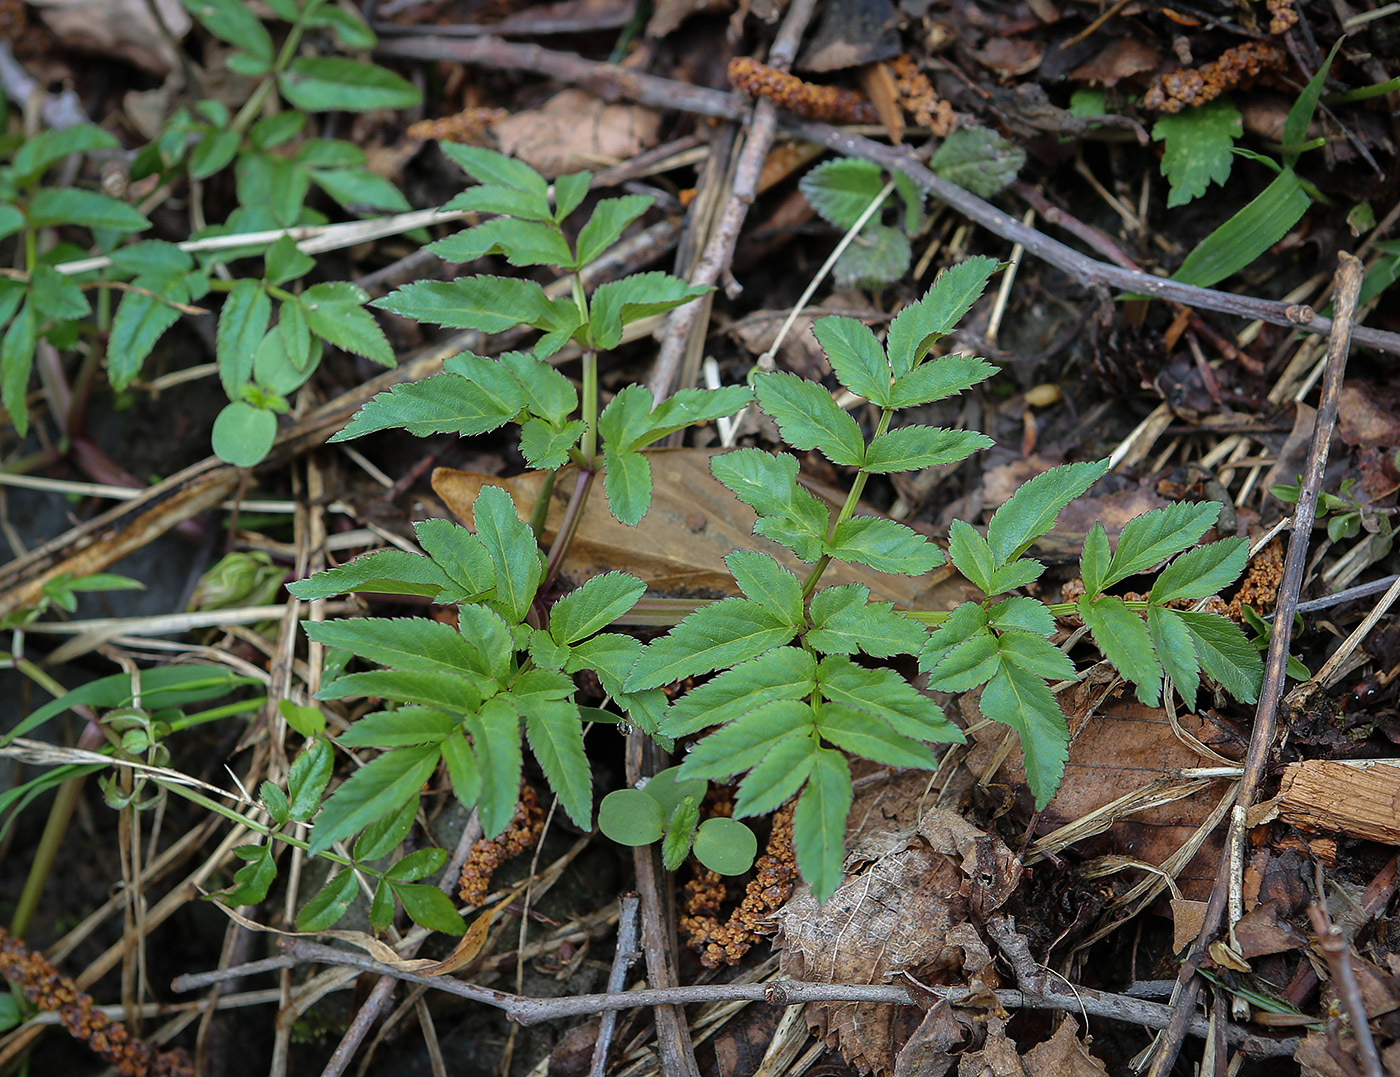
1337, 953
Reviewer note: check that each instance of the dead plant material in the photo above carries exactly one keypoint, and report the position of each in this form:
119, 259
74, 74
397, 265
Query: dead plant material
1236, 68
47, 988
1259, 588
1359, 798
1282, 16
827, 104
917, 97
489, 854
469, 126
775, 874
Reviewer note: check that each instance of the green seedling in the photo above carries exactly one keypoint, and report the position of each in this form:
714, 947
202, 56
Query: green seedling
667, 809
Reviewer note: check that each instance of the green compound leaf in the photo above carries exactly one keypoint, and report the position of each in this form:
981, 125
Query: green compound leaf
456, 693
307, 779
777, 776
1017, 574
1031, 510
383, 572
688, 407
490, 304
546, 447
493, 198
524, 243
626, 484
841, 190
511, 544
919, 325
55, 296
619, 303
242, 324
844, 621
880, 254
489, 167
885, 693
856, 357
16, 361
594, 606
1122, 636
963, 622
545, 653
1022, 614
481, 398
713, 637
140, 321
1198, 149
939, 378
765, 581
971, 555
569, 192
783, 673
913, 447
610, 217
884, 545
335, 312
381, 786
429, 907
1094, 560
1177, 653
462, 768
744, 743
398, 728
1224, 653
819, 823
59, 206
966, 664
858, 732
252, 881
410, 644
547, 393
725, 846
328, 904
1151, 538
1023, 701
460, 554
336, 83
358, 189
809, 418
1035, 654
47, 148
383, 835
496, 738
768, 484
556, 738
1248, 234
978, 159
417, 865
1201, 572
233, 22
275, 801
626, 415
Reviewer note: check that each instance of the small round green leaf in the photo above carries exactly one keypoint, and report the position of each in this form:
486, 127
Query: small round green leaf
630, 817
668, 792
726, 846
243, 434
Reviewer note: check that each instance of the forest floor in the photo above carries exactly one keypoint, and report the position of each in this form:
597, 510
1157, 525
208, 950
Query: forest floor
1212, 889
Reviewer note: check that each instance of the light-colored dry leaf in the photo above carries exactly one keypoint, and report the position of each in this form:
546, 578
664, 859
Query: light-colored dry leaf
997, 1058
124, 28
574, 131
1064, 1054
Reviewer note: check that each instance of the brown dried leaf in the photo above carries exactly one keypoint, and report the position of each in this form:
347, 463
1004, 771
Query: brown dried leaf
997, 1058
680, 544
124, 28
1064, 1054
1369, 415
1121, 60
574, 131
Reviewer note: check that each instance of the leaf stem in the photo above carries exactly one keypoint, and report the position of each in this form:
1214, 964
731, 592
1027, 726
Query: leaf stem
568, 526
852, 500
539, 512
590, 406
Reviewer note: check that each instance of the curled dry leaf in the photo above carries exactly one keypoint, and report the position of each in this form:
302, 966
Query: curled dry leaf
124, 28
913, 884
574, 131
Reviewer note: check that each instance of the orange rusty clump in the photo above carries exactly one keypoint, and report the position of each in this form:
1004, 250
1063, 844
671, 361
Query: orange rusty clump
829, 104
917, 97
1259, 588
47, 988
489, 854
775, 874
468, 126
1238, 66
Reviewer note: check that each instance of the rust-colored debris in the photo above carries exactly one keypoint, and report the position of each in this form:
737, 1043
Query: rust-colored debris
1236, 67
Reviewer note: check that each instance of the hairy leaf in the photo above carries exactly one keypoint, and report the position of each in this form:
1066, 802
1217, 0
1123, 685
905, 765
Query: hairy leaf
856, 357
1199, 144
458, 553
884, 545
809, 418
912, 447
547, 393
1122, 636
781, 673
842, 189
765, 581
1035, 654
1031, 510
978, 159
918, 326
971, 555
594, 606
713, 637
1018, 698
1023, 614
967, 664
844, 620
819, 823
381, 786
